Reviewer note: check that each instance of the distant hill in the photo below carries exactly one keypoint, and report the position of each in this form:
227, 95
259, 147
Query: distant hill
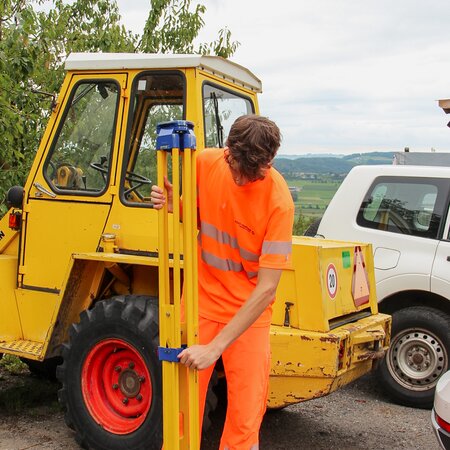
311, 155
339, 164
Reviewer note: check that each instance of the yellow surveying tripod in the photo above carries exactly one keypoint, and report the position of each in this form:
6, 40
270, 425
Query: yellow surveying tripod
180, 386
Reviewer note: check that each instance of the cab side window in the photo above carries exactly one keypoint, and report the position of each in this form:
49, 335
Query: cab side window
405, 206
158, 97
80, 159
221, 108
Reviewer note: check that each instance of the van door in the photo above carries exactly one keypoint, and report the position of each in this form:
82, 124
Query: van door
440, 276
402, 218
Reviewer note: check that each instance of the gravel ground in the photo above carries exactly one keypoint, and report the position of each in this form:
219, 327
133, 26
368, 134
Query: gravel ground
356, 417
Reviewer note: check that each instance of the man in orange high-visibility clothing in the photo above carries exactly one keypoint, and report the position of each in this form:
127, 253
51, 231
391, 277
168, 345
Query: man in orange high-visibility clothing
245, 238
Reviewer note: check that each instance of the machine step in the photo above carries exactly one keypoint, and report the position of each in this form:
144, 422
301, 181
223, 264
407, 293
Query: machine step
22, 347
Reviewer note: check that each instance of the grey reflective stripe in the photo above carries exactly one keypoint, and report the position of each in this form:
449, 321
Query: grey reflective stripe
220, 236
224, 238
248, 256
276, 248
227, 265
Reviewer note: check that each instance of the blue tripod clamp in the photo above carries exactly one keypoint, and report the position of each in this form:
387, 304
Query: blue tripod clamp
175, 134
170, 354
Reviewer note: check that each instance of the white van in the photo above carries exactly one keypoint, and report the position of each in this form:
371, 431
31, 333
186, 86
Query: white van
403, 212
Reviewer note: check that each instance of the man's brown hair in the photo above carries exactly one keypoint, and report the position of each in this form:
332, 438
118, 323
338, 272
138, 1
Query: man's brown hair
253, 143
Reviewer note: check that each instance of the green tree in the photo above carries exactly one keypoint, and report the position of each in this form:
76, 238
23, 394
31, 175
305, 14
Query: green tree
301, 223
34, 42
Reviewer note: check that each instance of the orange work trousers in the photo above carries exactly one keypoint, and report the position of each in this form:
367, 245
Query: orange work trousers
247, 363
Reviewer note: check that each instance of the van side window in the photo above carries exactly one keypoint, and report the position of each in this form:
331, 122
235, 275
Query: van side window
406, 206
79, 160
220, 109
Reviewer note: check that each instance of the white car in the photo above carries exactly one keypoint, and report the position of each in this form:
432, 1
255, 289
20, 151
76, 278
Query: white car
440, 416
403, 211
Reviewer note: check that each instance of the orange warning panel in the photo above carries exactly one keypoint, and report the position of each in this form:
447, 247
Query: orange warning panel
360, 281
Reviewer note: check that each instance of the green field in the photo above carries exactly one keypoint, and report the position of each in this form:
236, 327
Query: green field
311, 199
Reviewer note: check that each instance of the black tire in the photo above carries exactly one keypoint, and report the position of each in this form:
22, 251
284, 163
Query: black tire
311, 231
418, 356
130, 323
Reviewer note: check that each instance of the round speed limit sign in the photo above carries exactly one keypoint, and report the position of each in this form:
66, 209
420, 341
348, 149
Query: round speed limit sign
332, 280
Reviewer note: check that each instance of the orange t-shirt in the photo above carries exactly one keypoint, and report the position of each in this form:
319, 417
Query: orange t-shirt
242, 228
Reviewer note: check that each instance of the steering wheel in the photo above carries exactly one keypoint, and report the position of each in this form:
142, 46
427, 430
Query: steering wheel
101, 167
136, 178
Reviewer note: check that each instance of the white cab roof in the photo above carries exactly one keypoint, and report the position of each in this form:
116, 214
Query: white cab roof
120, 61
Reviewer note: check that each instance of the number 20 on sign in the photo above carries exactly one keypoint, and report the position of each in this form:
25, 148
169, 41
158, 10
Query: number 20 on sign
332, 280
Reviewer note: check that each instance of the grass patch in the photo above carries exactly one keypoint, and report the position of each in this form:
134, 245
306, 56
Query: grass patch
20, 391
13, 365
37, 398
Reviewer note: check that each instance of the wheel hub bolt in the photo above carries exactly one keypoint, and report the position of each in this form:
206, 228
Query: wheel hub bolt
117, 368
115, 386
139, 397
141, 379
125, 401
131, 365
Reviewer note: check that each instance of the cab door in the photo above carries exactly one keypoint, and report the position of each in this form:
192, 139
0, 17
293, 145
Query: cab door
70, 196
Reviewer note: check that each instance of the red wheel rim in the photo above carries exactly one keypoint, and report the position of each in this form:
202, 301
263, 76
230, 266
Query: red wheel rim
116, 386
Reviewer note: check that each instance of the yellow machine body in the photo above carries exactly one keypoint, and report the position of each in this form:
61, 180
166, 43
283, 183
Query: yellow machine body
88, 231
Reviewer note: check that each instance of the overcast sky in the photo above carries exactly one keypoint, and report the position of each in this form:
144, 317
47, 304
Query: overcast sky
340, 76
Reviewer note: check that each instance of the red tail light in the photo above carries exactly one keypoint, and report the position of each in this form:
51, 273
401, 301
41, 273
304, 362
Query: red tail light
15, 220
442, 423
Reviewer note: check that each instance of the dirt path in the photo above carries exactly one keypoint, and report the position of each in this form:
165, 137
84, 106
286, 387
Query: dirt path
355, 418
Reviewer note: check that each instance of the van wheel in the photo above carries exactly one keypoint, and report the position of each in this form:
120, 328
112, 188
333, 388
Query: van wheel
417, 357
111, 376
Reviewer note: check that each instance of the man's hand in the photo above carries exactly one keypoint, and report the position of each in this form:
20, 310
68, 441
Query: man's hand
158, 198
199, 356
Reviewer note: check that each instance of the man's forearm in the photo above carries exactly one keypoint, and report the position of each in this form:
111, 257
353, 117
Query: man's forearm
202, 356
259, 300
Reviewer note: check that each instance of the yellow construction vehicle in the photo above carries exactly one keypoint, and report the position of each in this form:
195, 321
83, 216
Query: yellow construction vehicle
81, 250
